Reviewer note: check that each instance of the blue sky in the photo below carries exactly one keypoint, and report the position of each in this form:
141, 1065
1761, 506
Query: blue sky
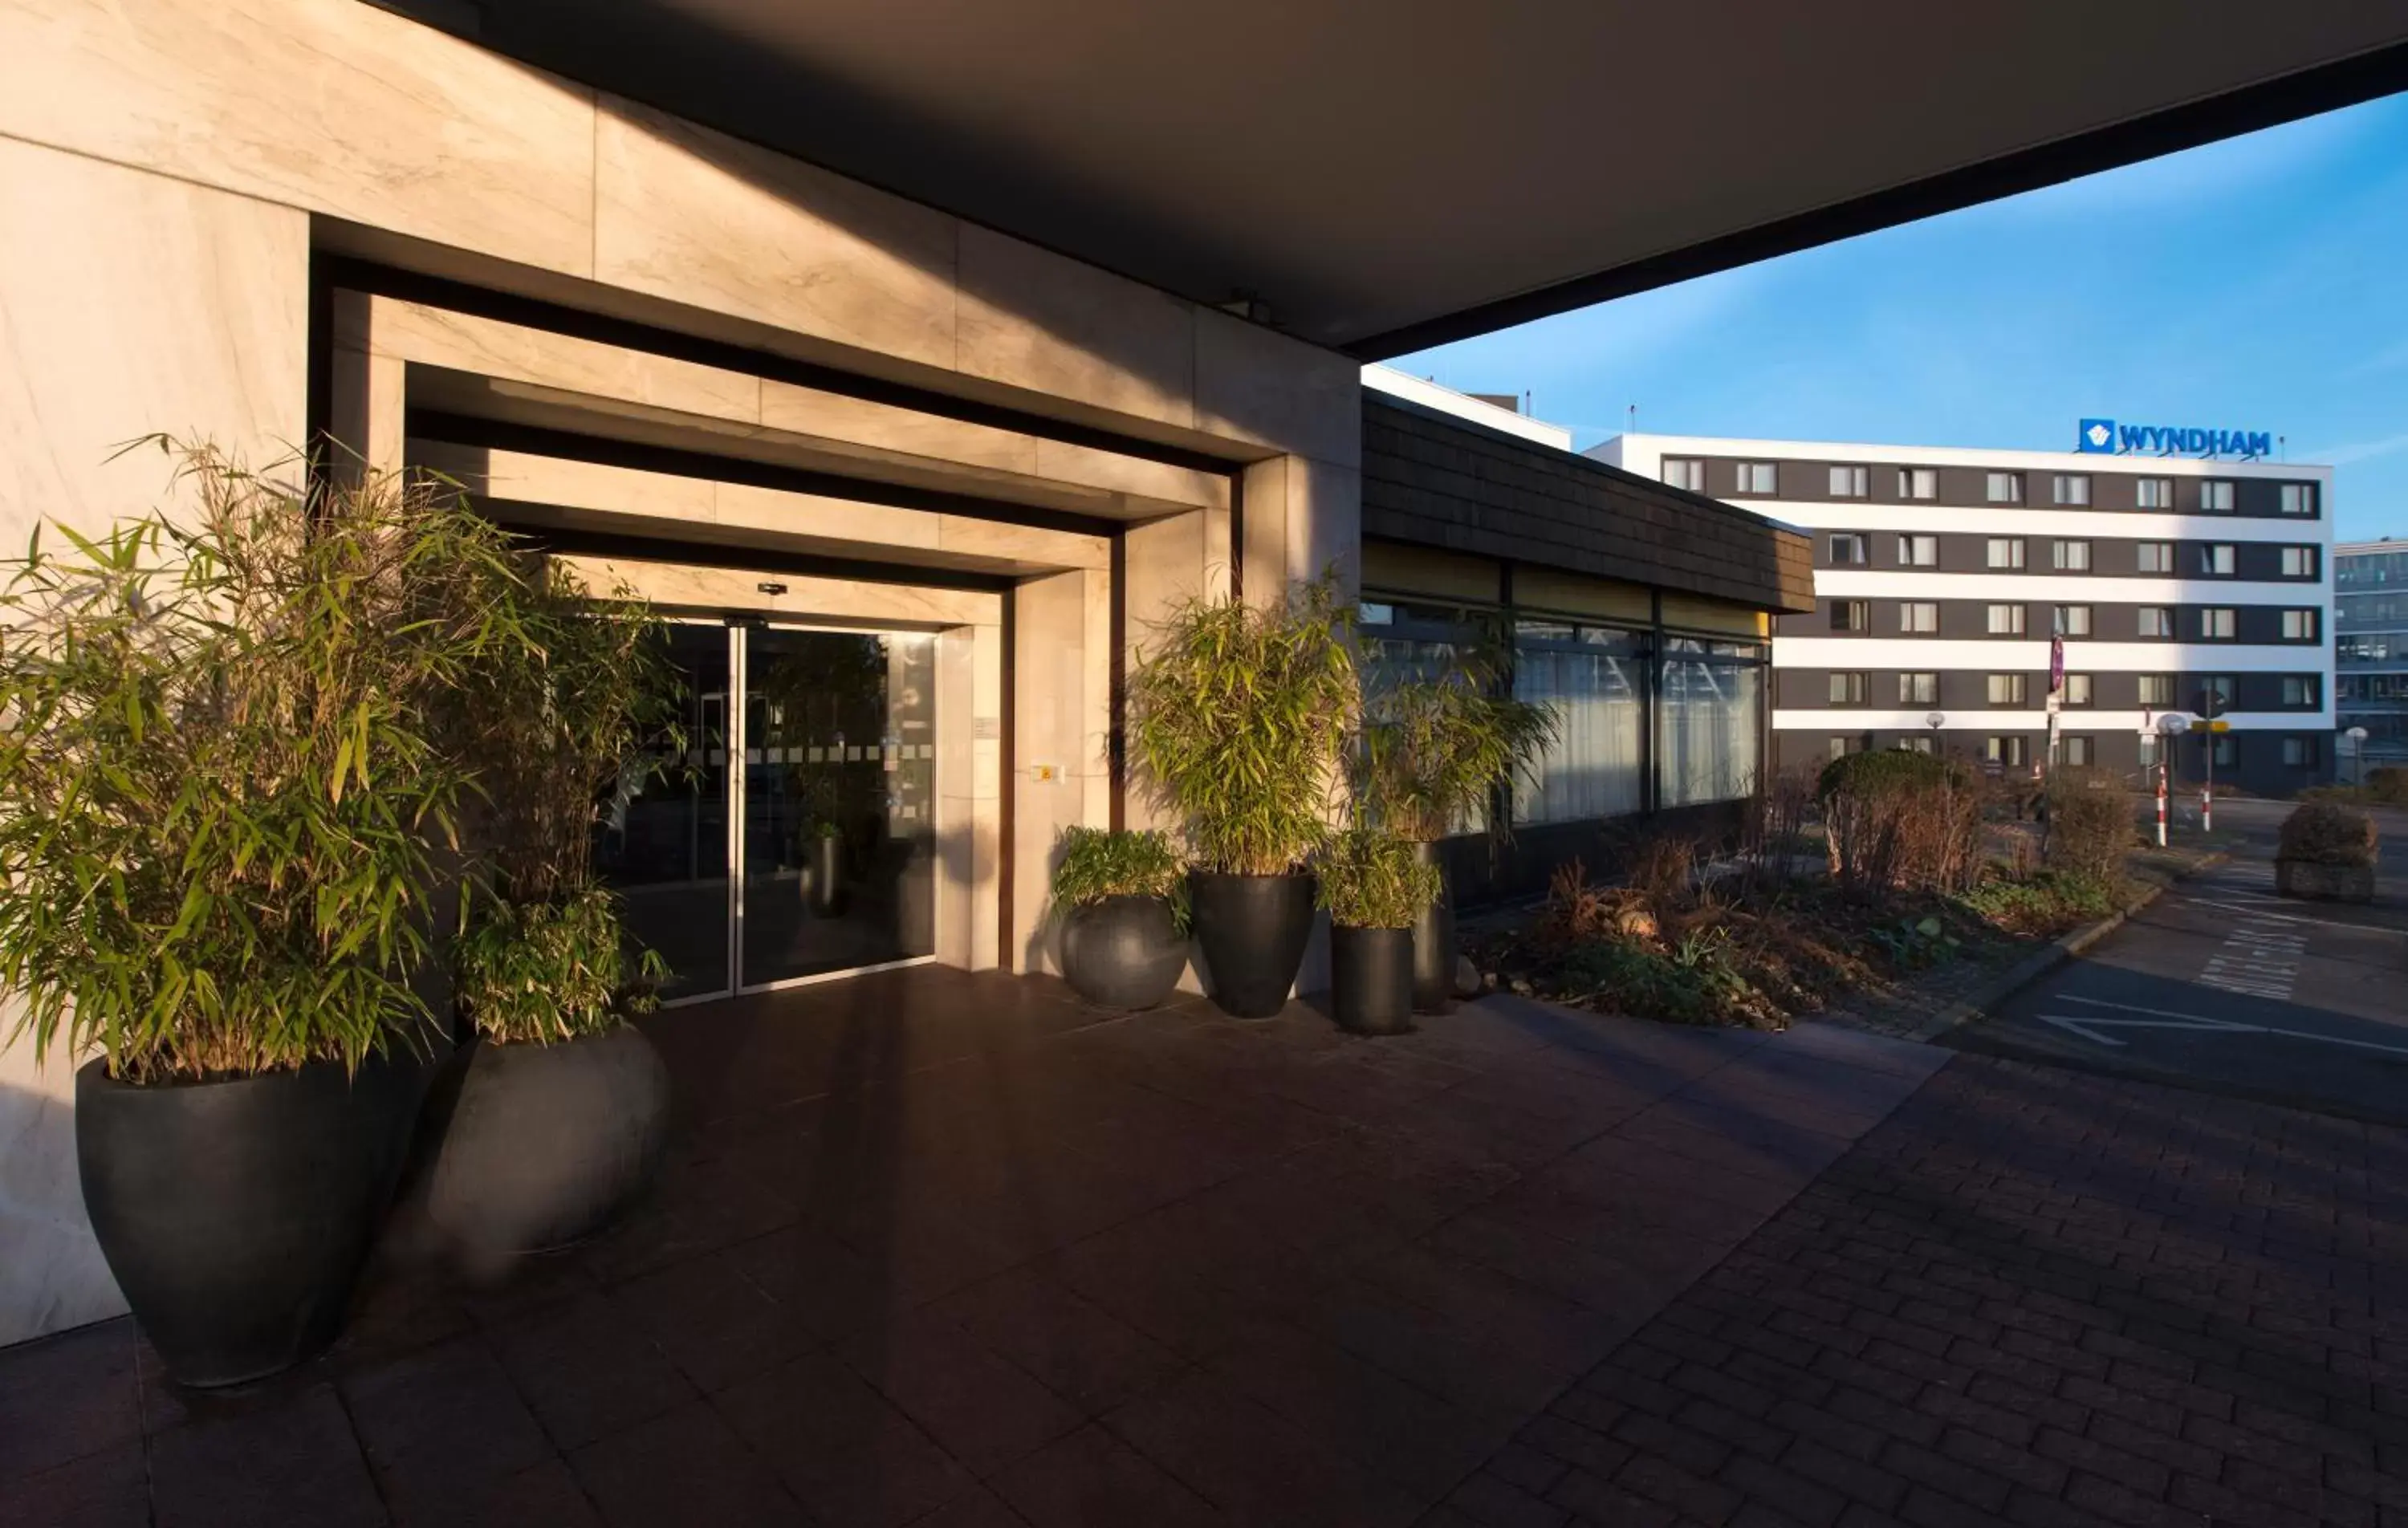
2259, 283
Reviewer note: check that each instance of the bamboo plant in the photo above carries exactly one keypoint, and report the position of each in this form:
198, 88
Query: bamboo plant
1431, 750
1369, 878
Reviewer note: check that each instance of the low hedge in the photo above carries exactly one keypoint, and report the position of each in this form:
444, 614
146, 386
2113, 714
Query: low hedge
2328, 833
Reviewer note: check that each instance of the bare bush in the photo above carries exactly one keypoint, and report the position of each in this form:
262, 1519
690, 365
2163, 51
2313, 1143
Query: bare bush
1896, 821
2089, 824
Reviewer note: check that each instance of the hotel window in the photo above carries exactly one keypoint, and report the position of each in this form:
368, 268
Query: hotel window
2070, 556
2154, 557
2006, 551
2011, 751
2154, 620
2070, 620
2078, 751
2302, 752
2154, 493
2215, 623
1596, 679
2006, 620
2215, 496
1918, 689
1919, 615
1758, 476
1842, 746
1685, 472
2226, 749
2003, 487
2299, 562
2300, 625
1918, 552
2299, 498
2158, 691
1709, 719
1918, 482
2301, 689
2007, 688
2076, 691
1917, 744
2216, 560
1851, 483
1851, 616
1851, 689
2072, 488
1847, 549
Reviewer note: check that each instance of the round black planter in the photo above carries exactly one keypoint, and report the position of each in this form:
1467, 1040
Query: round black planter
1371, 980
1123, 953
235, 1214
1433, 951
1252, 930
543, 1143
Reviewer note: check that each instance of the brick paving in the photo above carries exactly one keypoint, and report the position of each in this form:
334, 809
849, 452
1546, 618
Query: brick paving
2028, 1297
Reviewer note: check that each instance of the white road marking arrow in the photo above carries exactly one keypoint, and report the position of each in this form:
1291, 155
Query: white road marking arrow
2088, 1026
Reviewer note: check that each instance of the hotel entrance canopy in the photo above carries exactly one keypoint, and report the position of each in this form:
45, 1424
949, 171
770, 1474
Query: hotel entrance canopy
1388, 177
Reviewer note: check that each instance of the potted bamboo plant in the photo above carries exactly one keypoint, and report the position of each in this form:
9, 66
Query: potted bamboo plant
1430, 757
1375, 888
222, 790
1238, 713
556, 1113
1123, 900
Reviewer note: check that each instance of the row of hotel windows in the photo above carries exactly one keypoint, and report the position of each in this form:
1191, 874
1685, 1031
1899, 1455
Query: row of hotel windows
2371, 570
2215, 623
2371, 646
2158, 692
2072, 489
2216, 560
2014, 751
1687, 715
2349, 687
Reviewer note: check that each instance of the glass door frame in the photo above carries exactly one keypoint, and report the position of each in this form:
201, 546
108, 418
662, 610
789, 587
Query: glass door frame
740, 629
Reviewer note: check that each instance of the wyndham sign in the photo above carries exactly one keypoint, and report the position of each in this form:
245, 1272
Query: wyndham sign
2106, 436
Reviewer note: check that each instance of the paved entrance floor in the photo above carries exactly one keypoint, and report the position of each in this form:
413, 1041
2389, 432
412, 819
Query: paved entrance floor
946, 1249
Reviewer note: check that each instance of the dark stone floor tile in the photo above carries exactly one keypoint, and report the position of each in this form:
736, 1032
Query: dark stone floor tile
294, 1461
544, 1495
1253, 1465
587, 1371
67, 1396
825, 1285
714, 1323
980, 1508
682, 1469
442, 1426
110, 1488
1082, 1352
982, 1410
841, 1448
1091, 1479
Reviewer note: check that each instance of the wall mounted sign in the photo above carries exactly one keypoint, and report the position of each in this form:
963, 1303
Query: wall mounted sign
2104, 436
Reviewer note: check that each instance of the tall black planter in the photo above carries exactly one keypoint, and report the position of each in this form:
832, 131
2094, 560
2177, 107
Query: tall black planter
1251, 931
236, 1215
1434, 950
1371, 980
1123, 952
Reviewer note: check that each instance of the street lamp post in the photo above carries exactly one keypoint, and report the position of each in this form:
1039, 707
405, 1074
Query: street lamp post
2356, 737
1935, 721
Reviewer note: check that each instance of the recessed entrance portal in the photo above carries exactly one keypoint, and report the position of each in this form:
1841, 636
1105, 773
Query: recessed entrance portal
795, 838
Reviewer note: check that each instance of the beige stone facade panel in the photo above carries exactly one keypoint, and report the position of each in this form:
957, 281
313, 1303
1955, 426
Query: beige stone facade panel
696, 217
852, 601
1021, 544
1033, 318
414, 331
340, 108
1257, 385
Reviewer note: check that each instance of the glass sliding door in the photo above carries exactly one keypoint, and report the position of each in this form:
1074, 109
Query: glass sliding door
661, 837
837, 842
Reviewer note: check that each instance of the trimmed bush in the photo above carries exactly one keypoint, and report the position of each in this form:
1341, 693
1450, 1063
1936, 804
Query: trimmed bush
2387, 784
1900, 821
2328, 833
2089, 825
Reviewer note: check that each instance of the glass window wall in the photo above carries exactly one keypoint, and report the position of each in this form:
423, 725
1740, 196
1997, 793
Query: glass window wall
1709, 718
1596, 677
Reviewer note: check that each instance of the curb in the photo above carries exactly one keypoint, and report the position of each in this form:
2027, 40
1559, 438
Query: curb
2040, 962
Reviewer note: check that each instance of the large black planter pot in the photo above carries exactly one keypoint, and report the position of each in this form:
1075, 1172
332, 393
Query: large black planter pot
1252, 930
1371, 980
542, 1145
1433, 951
236, 1215
1124, 952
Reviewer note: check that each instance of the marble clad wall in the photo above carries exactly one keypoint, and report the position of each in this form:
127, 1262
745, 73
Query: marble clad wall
128, 304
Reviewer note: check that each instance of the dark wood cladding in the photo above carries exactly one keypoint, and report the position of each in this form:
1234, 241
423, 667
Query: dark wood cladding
1437, 481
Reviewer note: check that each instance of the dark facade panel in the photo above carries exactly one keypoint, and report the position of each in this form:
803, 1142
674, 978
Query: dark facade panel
1439, 482
2113, 489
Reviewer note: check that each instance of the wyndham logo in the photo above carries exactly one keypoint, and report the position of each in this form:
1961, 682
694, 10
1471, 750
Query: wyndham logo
2104, 435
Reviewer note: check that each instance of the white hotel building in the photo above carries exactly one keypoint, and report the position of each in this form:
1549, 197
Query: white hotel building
1941, 574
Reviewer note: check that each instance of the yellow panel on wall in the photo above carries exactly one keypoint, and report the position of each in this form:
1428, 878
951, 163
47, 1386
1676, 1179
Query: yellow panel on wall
1690, 613
1394, 568
1576, 594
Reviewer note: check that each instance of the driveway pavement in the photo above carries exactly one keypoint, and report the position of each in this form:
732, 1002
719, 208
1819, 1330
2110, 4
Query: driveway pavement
2222, 985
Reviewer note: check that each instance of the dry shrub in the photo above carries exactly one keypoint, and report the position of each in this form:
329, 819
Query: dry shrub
2089, 824
1664, 870
1897, 820
1775, 835
2327, 833
1578, 911
2387, 784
